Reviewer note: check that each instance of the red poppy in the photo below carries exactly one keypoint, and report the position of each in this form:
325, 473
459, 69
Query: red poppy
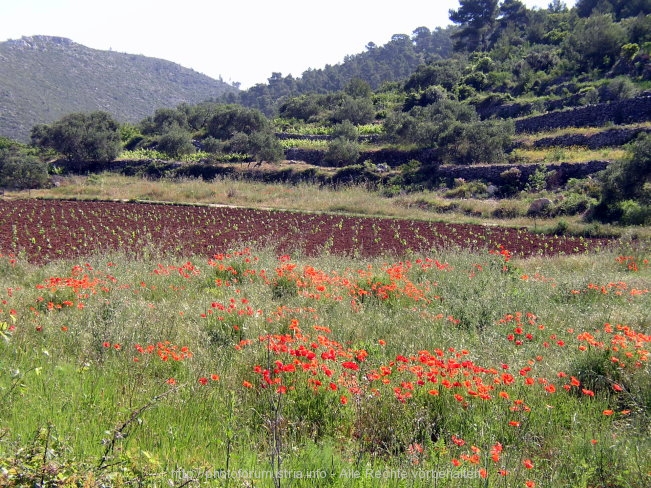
350, 365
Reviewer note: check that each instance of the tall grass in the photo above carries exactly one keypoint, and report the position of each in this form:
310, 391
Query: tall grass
114, 371
567, 155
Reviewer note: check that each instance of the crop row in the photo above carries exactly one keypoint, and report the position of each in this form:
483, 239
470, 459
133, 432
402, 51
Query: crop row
46, 229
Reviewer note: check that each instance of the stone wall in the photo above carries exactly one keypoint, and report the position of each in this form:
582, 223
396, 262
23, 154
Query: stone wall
622, 112
321, 137
492, 174
390, 157
607, 138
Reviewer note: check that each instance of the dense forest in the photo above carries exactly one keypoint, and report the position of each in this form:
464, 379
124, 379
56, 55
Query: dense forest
451, 92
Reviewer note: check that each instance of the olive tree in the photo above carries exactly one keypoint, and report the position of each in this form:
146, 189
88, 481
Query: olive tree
81, 137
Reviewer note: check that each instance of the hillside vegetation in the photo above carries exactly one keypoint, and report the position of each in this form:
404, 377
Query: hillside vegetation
44, 78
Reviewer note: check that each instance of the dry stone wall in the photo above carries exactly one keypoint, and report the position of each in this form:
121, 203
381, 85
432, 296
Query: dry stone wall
607, 138
493, 174
628, 111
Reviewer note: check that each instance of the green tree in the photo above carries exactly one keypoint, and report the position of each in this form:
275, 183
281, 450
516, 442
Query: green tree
356, 110
595, 42
164, 120
343, 149
342, 152
619, 8
21, 169
81, 137
263, 146
303, 107
176, 142
358, 88
628, 180
476, 19
230, 119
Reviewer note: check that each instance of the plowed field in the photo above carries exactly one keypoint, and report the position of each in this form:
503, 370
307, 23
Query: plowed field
43, 230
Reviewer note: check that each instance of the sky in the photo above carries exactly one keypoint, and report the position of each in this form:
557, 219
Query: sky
242, 41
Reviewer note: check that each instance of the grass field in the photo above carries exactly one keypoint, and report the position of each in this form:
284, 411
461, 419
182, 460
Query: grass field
447, 369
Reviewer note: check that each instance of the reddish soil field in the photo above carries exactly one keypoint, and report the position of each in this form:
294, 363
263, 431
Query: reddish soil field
43, 230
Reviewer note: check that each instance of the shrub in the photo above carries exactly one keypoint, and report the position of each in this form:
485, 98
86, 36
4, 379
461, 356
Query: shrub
506, 210
573, 204
467, 189
626, 180
537, 182
634, 213
511, 178
342, 152
176, 143
21, 169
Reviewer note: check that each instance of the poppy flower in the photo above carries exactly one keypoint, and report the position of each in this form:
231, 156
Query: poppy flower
350, 365
527, 463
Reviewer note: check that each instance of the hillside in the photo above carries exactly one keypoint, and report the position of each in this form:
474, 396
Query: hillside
43, 78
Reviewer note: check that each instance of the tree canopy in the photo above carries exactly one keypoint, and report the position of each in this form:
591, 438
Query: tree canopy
477, 19
81, 137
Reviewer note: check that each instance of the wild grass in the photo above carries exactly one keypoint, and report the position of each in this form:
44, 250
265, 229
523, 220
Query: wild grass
567, 155
115, 371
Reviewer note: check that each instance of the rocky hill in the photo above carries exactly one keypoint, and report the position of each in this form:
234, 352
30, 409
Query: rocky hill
43, 78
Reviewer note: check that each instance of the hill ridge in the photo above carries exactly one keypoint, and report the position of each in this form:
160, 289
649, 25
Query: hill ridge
46, 77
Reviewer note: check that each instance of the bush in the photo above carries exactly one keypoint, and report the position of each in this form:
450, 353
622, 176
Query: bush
342, 152
467, 189
176, 143
633, 213
537, 182
511, 178
626, 181
21, 169
506, 210
573, 204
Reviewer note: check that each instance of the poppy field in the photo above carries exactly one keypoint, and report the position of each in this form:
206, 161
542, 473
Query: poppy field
183, 346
